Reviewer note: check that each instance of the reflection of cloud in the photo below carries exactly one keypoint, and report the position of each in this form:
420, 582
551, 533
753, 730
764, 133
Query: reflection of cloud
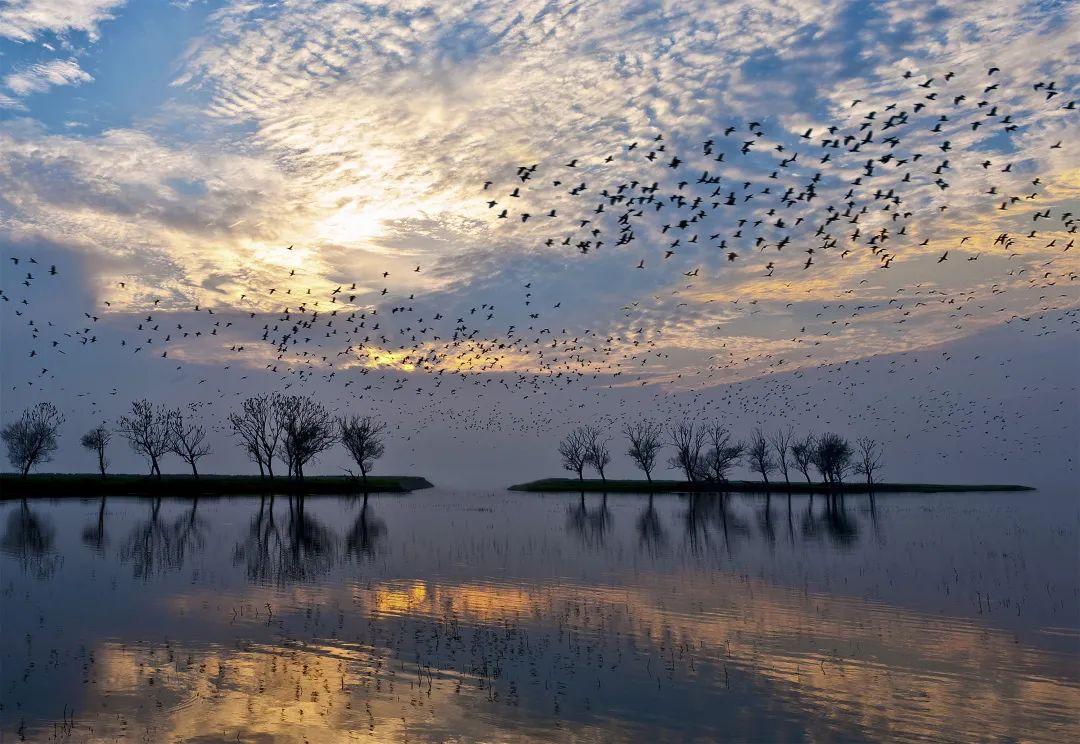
846, 665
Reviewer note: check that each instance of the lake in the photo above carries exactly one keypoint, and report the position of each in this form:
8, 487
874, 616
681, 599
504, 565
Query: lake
502, 616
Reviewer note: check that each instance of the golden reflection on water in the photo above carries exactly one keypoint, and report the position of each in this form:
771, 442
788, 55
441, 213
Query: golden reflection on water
841, 666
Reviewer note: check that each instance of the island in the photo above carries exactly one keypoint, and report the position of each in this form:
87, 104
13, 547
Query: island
595, 485
68, 485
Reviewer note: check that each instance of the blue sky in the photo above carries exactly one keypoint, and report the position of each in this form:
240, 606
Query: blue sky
179, 148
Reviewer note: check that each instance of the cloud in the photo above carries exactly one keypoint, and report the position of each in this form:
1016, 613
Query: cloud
40, 77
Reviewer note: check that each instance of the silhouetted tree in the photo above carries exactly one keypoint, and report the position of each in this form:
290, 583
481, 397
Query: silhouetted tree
188, 439
31, 439
781, 444
599, 456
96, 440
832, 456
307, 430
259, 429
574, 450
645, 442
759, 454
363, 438
688, 440
149, 431
868, 458
722, 455
802, 451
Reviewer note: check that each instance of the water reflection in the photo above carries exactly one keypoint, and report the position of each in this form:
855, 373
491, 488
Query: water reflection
156, 545
28, 537
469, 616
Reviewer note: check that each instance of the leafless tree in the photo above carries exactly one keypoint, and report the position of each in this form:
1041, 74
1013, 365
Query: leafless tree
832, 457
688, 441
869, 458
802, 451
259, 429
149, 431
307, 430
781, 444
32, 439
96, 440
645, 442
574, 449
188, 438
759, 454
599, 456
363, 438
722, 454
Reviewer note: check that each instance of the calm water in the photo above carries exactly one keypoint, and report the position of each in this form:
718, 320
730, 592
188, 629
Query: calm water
500, 616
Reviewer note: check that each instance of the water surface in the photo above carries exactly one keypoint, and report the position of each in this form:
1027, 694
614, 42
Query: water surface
509, 616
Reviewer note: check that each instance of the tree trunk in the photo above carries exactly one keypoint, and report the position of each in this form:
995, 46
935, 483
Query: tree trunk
101, 462
194, 470
262, 473
25, 469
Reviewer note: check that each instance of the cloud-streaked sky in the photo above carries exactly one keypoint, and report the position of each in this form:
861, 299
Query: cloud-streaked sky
181, 148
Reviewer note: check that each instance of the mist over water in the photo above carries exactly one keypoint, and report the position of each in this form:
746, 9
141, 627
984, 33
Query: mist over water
499, 615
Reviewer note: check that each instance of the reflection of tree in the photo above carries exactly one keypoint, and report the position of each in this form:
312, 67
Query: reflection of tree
842, 527
707, 513
768, 528
835, 521
651, 533
296, 550
362, 540
28, 538
94, 533
591, 526
156, 545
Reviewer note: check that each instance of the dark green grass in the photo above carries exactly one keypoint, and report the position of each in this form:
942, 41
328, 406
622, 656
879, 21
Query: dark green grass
559, 485
58, 485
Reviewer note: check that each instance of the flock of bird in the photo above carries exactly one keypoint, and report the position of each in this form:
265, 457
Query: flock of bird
874, 190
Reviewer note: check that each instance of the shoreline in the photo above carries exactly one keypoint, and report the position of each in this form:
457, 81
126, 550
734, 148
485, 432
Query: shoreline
79, 485
591, 485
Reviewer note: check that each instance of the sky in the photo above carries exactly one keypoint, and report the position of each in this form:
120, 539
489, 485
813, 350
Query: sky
291, 196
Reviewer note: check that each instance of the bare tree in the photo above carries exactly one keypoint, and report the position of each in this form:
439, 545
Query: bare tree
723, 453
32, 439
259, 429
599, 456
802, 451
574, 449
307, 430
832, 457
96, 440
759, 454
645, 442
688, 441
363, 438
149, 431
869, 458
781, 444
188, 438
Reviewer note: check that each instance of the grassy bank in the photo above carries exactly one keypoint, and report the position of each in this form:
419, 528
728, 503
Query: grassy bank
561, 485
58, 485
